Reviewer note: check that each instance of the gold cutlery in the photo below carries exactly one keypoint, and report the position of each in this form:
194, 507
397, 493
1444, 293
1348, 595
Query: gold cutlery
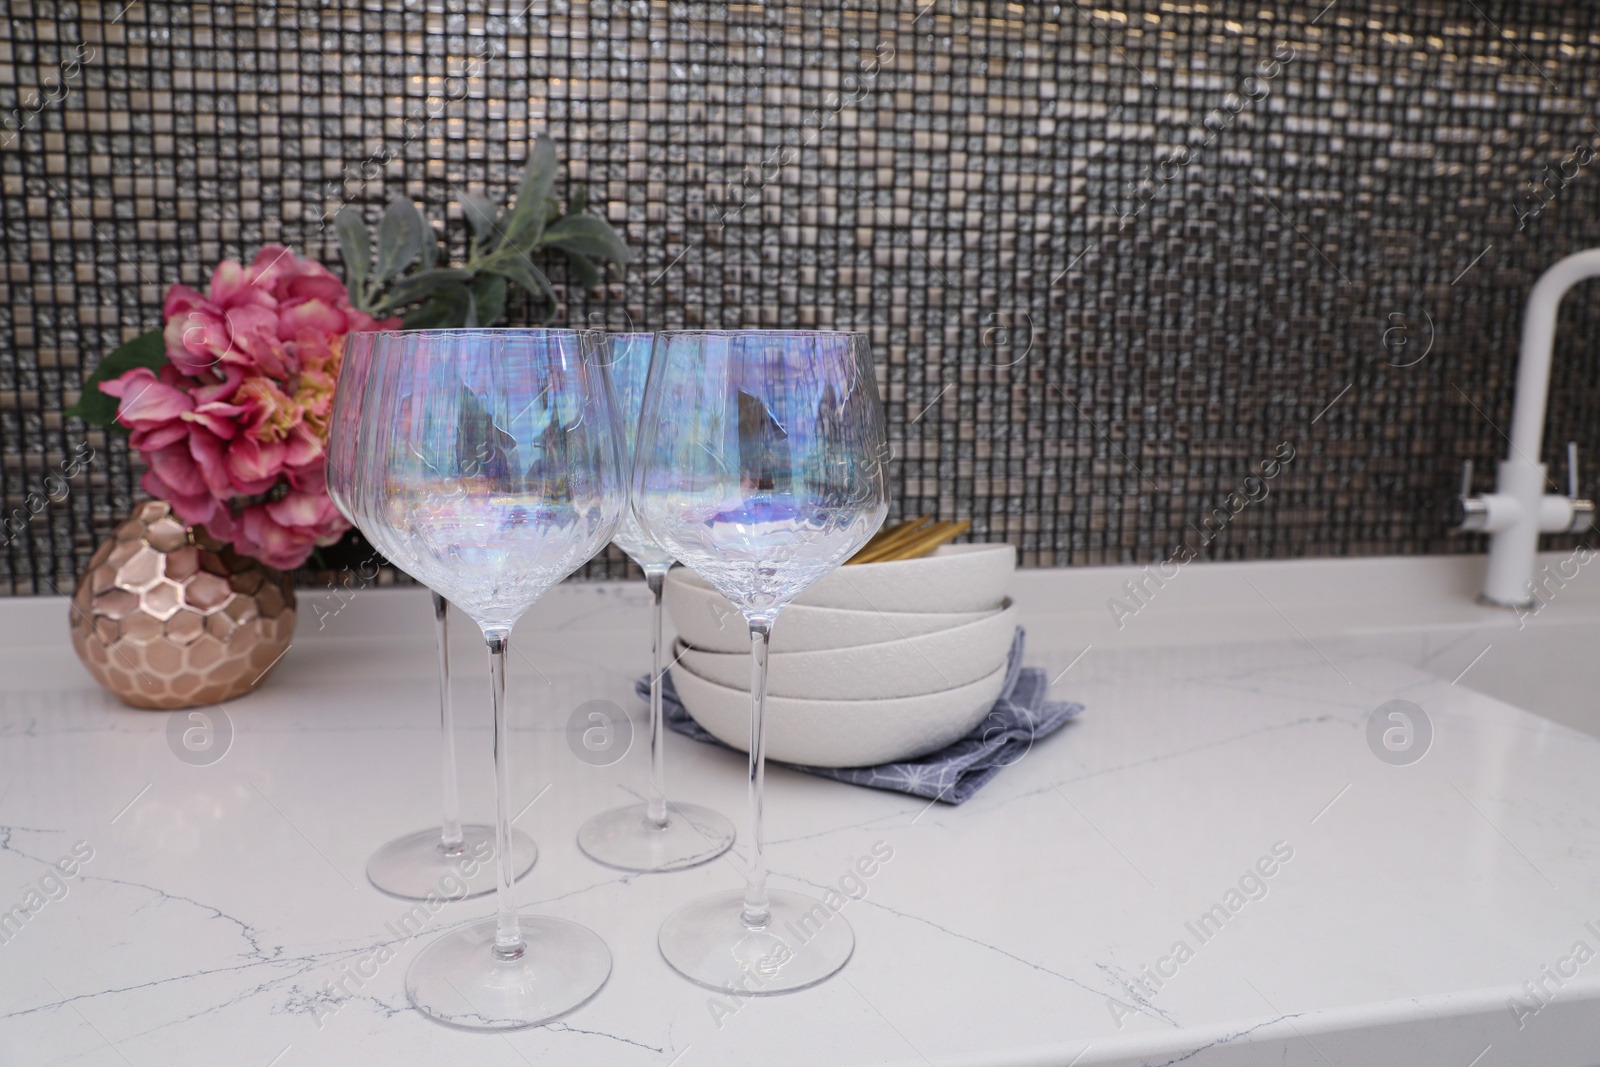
909, 540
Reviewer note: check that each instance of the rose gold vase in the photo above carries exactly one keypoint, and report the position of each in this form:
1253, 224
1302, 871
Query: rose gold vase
165, 617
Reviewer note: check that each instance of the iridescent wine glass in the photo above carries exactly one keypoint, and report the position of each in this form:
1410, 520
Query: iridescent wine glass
657, 835
760, 466
431, 861
492, 466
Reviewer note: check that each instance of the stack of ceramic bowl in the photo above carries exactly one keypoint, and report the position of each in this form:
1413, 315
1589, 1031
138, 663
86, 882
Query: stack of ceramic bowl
876, 662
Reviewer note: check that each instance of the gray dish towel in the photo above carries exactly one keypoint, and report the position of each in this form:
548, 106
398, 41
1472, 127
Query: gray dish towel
1021, 716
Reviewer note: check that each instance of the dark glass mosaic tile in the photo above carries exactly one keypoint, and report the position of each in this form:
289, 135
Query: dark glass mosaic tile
1110, 257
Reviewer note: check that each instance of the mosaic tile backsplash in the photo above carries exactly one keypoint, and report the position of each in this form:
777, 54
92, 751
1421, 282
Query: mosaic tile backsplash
1111, 258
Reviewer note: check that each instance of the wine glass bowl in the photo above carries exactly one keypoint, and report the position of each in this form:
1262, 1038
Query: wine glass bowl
489, 467
761, 469
509, 477
759, 465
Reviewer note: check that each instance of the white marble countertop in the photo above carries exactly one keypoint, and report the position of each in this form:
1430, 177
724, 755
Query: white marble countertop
1226, 720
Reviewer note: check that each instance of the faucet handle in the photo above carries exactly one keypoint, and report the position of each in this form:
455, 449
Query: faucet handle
1582, 509
1468, 513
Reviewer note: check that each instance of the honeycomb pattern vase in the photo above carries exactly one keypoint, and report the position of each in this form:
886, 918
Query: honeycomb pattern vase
166, 617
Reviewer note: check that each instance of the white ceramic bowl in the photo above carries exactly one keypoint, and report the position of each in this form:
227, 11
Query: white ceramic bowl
841, 733
954, 578
704, 619
930, 663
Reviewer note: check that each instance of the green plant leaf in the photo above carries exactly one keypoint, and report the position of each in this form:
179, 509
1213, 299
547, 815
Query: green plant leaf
480, 213
417, 286
489, 298
435, 314
450, 307
399, 239
519, 269
578, 201
355, 248
582, 268
96, 408
589, 236
521, 229
430, 246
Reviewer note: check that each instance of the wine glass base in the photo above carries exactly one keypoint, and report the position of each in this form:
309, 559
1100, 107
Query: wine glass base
627, 839
415, 867
457, 980
805, 942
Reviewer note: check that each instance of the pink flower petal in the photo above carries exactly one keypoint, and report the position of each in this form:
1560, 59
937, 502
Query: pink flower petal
218, 418
151, 483
176, 469
311, 316
193, 510
231, 377
222, 525
312, 478
159, 436
197, 340
232, 286
272, 266
181, 298
301, 509
254, 466
145, 399
210, 457
256, 342
275, 545
361, 322
302, 448
317, 284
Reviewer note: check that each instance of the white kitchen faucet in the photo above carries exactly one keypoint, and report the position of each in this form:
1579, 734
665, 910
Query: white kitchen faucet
1519, 509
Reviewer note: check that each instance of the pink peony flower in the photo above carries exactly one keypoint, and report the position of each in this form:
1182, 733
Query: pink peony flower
235, 427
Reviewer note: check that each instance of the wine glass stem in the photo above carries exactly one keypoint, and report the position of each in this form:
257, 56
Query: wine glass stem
756, 912
656, 806
508, 943
450, 841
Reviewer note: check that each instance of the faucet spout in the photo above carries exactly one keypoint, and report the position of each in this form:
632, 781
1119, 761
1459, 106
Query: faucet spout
1519, 510
1538, 344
